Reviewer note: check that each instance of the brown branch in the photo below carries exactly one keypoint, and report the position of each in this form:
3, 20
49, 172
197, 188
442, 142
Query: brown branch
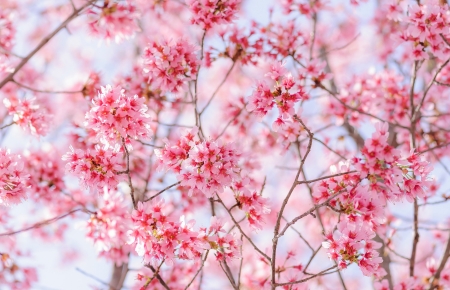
416, 111
7, 125
44, 91
161, 191
161, 281
217, 89
40, 224
130, 183
306, 279
111, 287
199, 270
308, 212
44, 41
285, 202
242, 232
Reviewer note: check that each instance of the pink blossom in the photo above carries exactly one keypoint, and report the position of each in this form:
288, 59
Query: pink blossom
29, 114
108, 227
115, 116
96, 168
13, 181
208, 13
115, 20
170, 65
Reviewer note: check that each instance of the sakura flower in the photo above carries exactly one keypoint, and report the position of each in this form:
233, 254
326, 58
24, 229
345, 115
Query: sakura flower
208, 13
96, 168
170, 65
115, 20
29, 114
7, 31
205, 167
108, 227
346, 246
115, 116
13, 180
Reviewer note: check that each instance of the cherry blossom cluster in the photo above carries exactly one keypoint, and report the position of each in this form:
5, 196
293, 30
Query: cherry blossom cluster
117, 118
208, 167
108, 227
170, 65
30, 114
205, 167
352, 243
208, 13
159, 238
114, 20
428, 30
176, 277
414, 282
303, 7
7, 31
390, 178
13, 180
96, 168
384, 93
92, 86
14, 275
390, 174
254, 205
240, 45
46, 174
285, 95
283, 39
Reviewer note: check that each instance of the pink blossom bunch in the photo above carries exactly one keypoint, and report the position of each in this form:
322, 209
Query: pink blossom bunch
240, 45
176, 277
285, 94
303, 7
14, 275
170, 65
117, 118
157, 237
13, 180
205, 167
29, 114
254, 205
388, 172
284, 39
7, 31
428, 31
96, 168
352, 243
115, 20
46, 174
379, 92
108, 226
92, 86
208, 13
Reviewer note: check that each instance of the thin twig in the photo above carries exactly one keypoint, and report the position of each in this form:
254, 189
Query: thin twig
162, 190
199, 270
306, 279
218, 88
44, 91
44, 41
242, 232
40, 224
130, 183
96, 279
286, 200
